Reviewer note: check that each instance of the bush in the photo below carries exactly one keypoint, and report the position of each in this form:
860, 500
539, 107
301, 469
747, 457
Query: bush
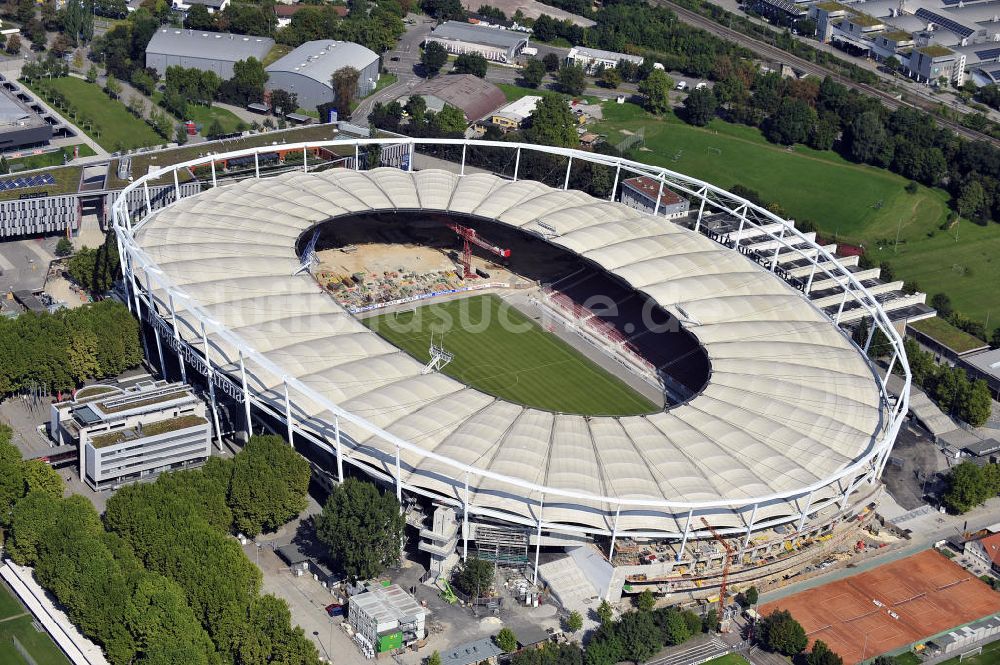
474, 577
506, 640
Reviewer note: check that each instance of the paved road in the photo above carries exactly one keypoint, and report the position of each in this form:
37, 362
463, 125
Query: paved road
776, 54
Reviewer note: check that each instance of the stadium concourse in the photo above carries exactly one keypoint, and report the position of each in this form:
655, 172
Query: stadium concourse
789, 429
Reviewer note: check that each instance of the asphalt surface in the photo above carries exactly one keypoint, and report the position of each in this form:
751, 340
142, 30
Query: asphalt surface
776, 54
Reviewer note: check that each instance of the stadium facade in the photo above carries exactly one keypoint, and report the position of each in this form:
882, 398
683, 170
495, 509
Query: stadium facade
779, 452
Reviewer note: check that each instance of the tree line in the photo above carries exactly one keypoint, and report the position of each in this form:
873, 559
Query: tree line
971, 485
949, 386
159, 580
60, 351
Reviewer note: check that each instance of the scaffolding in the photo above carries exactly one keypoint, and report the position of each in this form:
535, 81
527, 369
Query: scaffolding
501, 545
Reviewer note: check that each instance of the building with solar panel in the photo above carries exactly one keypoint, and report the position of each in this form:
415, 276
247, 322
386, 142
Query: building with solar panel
20, 127
934, 41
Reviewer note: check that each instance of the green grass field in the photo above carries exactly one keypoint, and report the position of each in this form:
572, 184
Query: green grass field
849, 202
990, 656
38, 644
519, 362
53, 158
105, 120
728, 659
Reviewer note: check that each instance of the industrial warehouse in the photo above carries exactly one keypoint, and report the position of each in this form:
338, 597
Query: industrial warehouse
763, 451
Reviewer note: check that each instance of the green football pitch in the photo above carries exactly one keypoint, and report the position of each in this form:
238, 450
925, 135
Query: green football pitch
499, 351
16, 624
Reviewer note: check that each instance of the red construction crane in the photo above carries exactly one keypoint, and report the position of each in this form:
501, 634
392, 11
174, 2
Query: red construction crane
730, 551
469, 238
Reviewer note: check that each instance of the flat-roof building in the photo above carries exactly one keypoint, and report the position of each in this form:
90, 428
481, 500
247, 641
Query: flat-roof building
386, 618
124, 434
985, 365
473, 96
19, 125
308, 70
494, 44
513, 115
208, 51
592, 59
640, 193
483, 650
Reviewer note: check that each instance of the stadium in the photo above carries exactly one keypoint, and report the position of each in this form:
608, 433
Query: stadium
765, 449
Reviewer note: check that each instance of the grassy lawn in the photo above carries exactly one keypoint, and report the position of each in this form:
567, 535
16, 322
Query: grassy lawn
67, 182
110, 123
728, 659
514, 92
849, 202
384, 81
908, 658
517, 361
277, 52
52, 158
38, 644
954, 338
204, 115
990, 656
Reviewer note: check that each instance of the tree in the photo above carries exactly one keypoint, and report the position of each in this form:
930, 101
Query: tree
532, 73
656, 89
386, 116
572, 80
13, 46
506, 640
551, 62
433, 58
867, 140
444, 10
969, 486
574, 622
246, 84
781, 633
675, 628
283, 102
822, 655
449, 122
112, 87
605, 613
36, 34
752, 596
471, 63
474, 577
198, 18
646, 601
611, 78
638, 635
892, 64
434, 658
181, 134
552, 123
92, 74
345, 89
64, 247
362, 527
711, 621
792, 122
268, 486
699, 107
972, 200
942, 303
96, 269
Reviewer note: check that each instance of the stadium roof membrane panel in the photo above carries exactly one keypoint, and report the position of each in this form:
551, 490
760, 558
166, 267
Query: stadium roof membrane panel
790, 401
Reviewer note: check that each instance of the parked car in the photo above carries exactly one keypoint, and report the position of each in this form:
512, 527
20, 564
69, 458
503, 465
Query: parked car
682, 85
335, 609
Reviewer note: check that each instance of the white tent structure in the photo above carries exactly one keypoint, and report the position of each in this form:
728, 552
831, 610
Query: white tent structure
793, 417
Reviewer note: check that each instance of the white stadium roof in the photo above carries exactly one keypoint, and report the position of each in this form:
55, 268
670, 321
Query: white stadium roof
789, 401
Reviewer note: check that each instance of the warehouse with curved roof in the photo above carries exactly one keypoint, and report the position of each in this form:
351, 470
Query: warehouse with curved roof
308, 70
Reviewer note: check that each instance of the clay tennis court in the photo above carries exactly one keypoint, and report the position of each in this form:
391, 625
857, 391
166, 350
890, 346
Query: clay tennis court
927, 592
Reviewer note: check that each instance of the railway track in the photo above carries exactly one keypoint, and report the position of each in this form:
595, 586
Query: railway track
773, 52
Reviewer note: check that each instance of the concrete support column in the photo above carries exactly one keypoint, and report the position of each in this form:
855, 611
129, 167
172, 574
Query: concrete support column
211, 387
843, 301
701, 210
246, 396
340, 454
288, 416
538, 539
687, 532
805, 512
753, 518
465, 519
812, 274
177, 337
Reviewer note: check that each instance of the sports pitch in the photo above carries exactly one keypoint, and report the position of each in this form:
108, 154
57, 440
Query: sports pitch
891, 606
16, 622
500, 351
